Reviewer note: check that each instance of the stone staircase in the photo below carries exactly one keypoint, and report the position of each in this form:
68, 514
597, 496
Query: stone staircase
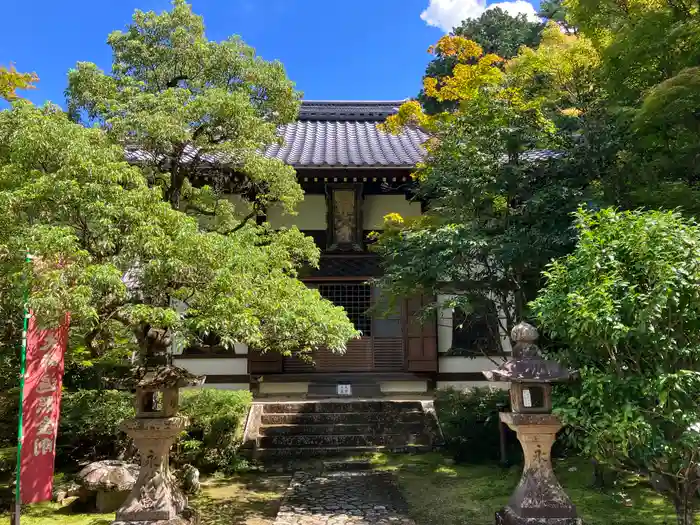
315, 429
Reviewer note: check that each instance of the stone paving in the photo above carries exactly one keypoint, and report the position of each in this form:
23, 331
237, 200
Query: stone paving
343, 498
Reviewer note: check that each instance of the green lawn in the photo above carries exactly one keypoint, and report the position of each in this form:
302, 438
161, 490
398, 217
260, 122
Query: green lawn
238, 500
445, 494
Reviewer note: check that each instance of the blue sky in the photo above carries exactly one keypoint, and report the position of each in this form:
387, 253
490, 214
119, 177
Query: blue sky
332, 49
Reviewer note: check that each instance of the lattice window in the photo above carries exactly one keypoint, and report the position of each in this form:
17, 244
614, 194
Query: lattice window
356, 298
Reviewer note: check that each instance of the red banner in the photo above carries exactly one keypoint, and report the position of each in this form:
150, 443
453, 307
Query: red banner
41, 408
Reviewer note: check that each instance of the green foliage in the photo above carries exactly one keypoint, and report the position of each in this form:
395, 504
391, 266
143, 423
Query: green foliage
498, 209
496, 32
215, 433
625, 307
556, 11
642, 42
561, 71
8, 461
9, 412
89, 426
470, 424
500, 33
182, 100
110, 251
668, 126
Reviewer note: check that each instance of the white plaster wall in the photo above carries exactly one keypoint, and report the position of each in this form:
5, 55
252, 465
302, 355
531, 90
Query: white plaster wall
375, 207
213, 366
228, 386
469, 385
241, 205
283, 388
445, 322
455, 364
413, 387
311, 214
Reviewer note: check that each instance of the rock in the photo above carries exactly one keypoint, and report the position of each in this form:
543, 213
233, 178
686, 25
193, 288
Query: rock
189, 478
110, 481
72, 490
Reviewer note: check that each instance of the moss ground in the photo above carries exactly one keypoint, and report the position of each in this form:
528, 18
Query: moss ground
441, 493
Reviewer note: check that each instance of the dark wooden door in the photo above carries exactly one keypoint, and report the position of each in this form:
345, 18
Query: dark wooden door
421, 338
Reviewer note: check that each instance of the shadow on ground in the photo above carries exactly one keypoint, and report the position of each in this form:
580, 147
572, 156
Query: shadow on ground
243, 500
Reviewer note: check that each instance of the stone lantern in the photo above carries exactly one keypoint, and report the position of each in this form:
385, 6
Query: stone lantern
539, 499
155, 498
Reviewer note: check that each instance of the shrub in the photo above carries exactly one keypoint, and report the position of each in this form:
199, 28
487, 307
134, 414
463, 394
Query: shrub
90, 419
9, 415
470, 424
215, 433
89, 425
8, 460
625, 306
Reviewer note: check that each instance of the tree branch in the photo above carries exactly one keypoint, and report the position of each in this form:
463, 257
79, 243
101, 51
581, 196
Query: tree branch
173, 82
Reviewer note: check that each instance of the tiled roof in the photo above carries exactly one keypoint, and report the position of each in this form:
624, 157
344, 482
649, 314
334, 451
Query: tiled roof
344, 134
341, 134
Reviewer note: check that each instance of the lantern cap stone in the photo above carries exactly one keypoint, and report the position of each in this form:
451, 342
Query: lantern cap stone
166, 376
527, 364
529, 370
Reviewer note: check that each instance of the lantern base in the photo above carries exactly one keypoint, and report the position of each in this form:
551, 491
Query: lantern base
507, 516
538, 499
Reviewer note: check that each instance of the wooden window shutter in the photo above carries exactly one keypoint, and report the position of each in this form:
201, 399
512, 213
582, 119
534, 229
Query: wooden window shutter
268, 363
421, 343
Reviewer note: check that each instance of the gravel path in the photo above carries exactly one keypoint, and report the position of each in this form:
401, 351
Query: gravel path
343, 498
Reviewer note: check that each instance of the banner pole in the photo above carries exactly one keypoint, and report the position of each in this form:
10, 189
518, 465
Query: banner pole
22, 373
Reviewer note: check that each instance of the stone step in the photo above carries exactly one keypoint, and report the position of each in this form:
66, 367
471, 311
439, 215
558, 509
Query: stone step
341, 406
348, 465
270, 454
348, 418
377, 427
344, 440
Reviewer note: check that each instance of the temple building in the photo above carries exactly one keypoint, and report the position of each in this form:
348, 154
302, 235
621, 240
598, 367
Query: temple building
353, 175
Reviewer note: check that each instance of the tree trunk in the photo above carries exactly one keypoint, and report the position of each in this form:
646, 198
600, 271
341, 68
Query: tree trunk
685, 510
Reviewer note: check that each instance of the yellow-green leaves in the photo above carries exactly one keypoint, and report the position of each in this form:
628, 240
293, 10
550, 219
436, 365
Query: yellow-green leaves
11, 80
560, 70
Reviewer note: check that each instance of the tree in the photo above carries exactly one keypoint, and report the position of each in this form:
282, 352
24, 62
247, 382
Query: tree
556, 11
188, 108
667, 126
496, 32
561, 70
649, 53
498, 198
625, 308
641, 42
498, 193
11, 80
109, 250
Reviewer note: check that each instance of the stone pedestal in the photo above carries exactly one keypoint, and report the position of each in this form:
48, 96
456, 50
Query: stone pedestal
155, 498
539, 499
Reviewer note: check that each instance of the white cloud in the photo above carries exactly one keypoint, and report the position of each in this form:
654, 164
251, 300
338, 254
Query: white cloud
447, 14
518, 7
